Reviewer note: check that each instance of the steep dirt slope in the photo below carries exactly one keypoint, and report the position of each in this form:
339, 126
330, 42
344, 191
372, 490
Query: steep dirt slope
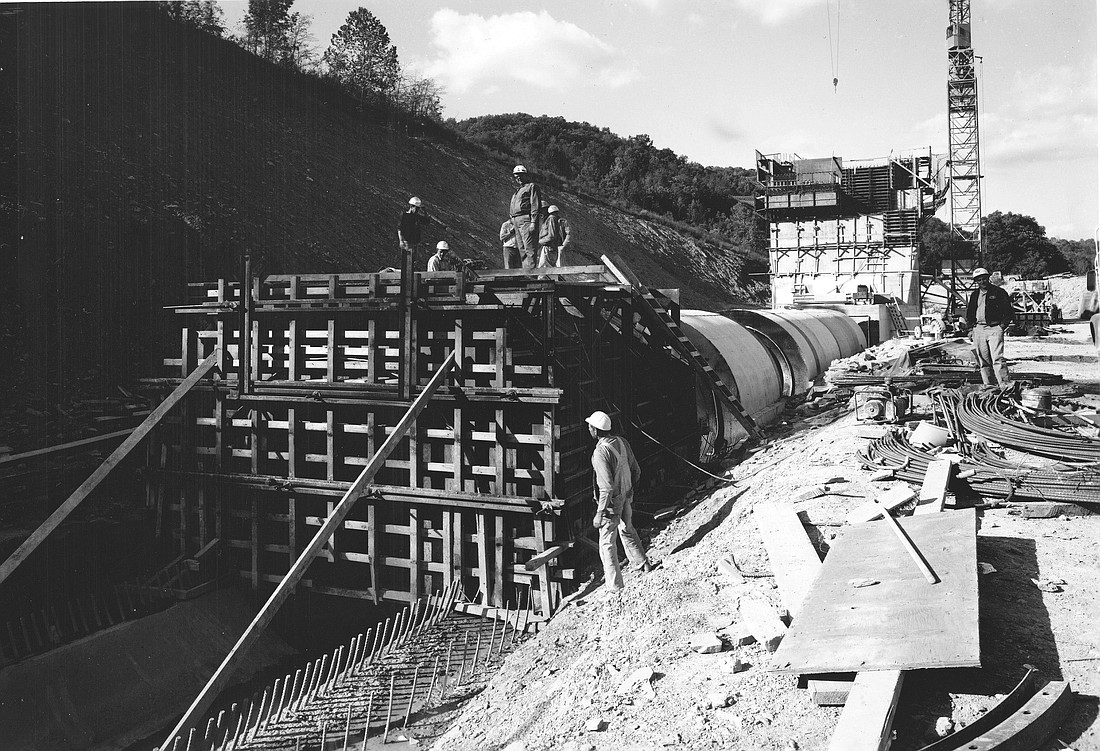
138, 155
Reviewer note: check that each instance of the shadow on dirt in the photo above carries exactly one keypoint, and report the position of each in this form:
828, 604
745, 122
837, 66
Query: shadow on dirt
1015, 630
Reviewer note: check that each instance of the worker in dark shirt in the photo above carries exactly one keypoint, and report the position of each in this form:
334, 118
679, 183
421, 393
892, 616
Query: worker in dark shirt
410, 231
988, 314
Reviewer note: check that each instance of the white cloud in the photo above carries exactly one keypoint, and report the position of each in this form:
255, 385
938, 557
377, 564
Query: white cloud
1048, 115
773, 12
532, 49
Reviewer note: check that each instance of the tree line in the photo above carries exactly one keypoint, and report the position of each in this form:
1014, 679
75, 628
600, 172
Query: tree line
1012, 243
360, 57
711, 202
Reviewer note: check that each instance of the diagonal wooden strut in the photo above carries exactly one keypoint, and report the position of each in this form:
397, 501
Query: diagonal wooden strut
285, 587
104, 469
659, 319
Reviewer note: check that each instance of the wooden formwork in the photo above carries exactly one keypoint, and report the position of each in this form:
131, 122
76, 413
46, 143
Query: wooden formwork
315, 371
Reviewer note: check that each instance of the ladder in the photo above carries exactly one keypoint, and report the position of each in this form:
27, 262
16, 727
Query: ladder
660, 321
896, 318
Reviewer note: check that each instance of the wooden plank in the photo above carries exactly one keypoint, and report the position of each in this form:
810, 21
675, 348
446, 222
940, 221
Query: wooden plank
537, 561
900, 623
63, 447
891, 499
865, 723
112, 461
793, 559
286, 585
933, 490
829, 692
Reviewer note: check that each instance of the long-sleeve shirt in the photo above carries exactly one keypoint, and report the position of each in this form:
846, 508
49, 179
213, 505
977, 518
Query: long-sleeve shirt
616, 471
445, 262
526, 201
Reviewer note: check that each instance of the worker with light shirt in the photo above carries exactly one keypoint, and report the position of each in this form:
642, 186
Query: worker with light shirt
444, 259
616, 472
988, 314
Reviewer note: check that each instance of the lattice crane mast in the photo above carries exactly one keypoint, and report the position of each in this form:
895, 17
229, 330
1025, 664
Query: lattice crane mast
964, 167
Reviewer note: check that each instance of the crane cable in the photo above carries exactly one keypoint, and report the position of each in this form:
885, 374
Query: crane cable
834, 48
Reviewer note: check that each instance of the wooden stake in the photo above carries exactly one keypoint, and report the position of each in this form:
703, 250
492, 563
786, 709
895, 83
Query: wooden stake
347, 730
370, 709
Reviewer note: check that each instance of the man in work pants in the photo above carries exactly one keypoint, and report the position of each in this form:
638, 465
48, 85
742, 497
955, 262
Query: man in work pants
616, 472
524, 210
988, 314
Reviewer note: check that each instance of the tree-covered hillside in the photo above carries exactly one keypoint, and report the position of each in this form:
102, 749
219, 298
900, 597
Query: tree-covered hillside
630, 172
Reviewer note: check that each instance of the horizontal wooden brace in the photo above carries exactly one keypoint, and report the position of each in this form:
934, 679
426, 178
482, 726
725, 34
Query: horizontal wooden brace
388, 493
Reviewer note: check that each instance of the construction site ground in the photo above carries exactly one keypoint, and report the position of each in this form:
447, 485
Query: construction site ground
570, 677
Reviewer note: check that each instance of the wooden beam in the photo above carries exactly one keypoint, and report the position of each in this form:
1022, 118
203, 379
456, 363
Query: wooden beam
286, 586
793, 559
104, 469
934, 489
891, 499
17, 458
867, 717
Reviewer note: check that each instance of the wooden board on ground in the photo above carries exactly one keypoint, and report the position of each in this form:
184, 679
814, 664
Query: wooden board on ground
792, 556
934, 489
865, 722
891, 499
900, 623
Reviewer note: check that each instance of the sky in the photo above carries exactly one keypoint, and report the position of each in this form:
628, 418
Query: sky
715, 80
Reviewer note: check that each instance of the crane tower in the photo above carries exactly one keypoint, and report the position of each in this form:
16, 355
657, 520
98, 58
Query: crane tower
964, 173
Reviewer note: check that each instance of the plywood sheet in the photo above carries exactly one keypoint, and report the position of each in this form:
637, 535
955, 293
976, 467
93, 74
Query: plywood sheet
901, 623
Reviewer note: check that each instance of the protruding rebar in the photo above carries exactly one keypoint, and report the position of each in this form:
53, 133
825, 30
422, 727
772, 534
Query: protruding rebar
412, 695
389, 709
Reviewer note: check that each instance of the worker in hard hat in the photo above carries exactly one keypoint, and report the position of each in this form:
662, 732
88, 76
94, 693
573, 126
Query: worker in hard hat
553, 237
411, 229
508, 241
524, 211
616, 472
988, 314
444, 259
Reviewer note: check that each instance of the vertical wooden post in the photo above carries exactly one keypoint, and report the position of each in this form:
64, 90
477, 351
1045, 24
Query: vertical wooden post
414, 552
244, 355
255, 542
499, 560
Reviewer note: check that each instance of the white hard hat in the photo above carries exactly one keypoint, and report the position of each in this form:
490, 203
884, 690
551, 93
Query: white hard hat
519, 169
552, 210
599, 420
414, 201
442, 245
979, 272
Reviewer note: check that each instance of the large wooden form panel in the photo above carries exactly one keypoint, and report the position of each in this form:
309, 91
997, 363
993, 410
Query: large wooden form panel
902, 622
494, 471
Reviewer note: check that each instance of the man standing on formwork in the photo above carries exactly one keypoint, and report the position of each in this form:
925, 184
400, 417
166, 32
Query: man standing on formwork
616, 472
411, 228
553, 237
524, 210
988, 314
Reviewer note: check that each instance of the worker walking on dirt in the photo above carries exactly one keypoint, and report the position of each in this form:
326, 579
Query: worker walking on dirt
616, 472
988, 314
524, 210
553, 237
508, 239
411, 229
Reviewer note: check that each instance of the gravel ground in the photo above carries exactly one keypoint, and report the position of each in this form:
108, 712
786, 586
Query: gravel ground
568, 677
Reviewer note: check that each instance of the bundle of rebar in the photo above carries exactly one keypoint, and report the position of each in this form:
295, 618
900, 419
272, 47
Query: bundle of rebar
989, 415
986, 474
